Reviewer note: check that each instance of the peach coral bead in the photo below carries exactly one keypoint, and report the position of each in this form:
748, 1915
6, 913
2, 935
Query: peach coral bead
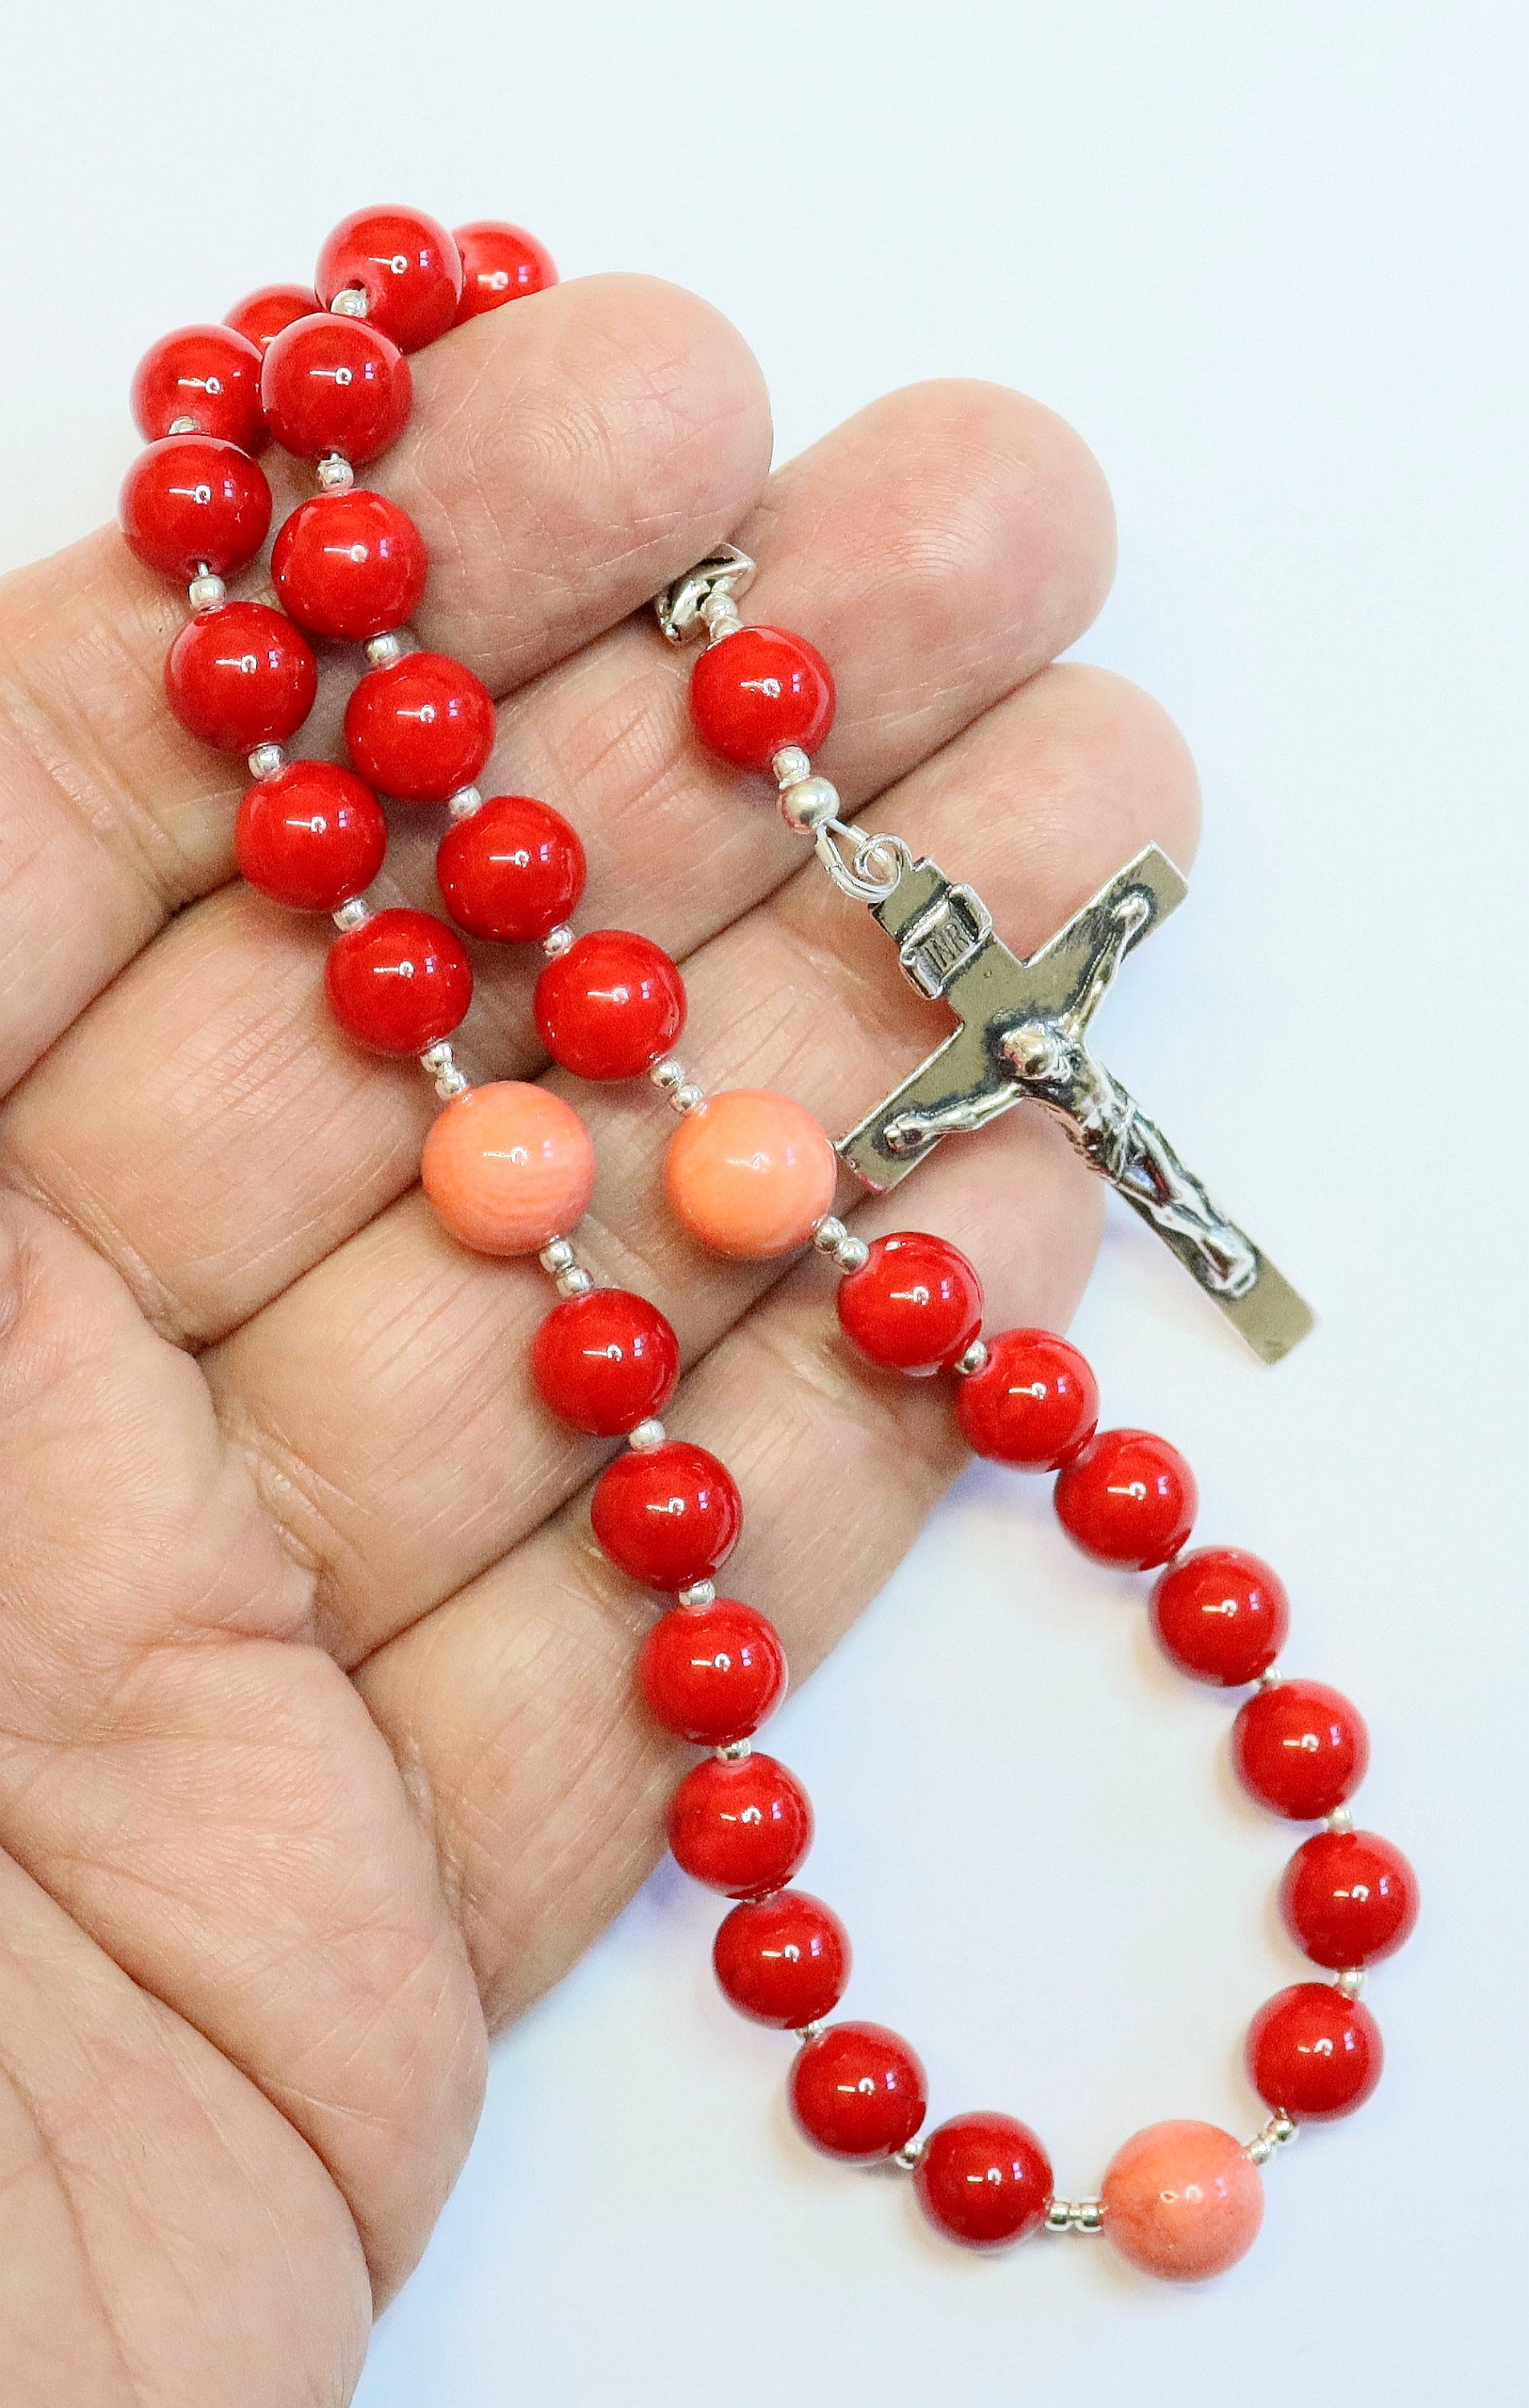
751, 1174
1182, 2200
509, 1167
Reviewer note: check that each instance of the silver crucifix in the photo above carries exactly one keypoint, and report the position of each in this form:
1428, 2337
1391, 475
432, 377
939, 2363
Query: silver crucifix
1024, 1034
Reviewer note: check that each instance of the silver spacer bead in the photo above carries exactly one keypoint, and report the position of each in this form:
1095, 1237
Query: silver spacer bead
439, 1063
336, 474
734, 1751
206, 592
1269, 1680
840, 1245
907, 2156
556, 1256
557, 940
184, 426
1340, 1819
667, 1074
647, 1434
974, 1359
265, 760
1351, 1981
353, 914
465, 802
351, 302
574, 1282
686, 1098
791, 765
1074, 2215
698, 1594
720, 615
1275, 2135
382, 651
807, 2033
809, 804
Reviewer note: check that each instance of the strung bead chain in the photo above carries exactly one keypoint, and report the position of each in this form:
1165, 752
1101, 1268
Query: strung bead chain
510, 1169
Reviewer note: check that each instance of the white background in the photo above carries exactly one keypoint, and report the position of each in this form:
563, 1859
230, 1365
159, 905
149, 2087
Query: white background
1271, 261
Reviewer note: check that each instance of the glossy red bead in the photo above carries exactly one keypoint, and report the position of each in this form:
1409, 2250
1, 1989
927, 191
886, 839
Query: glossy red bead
420, 729
782, 1960
914, 1305
1035, 1403
984, 2180
208, 374
512, 871
741, 1827
334, 384
407, 265
1349, 1897
1128, 1498
669, 1515
713, 1673
500, 262
758, 690
611, 1006
1300, 1748
399, 982
349, 564
191, 502
311, 837
240, 676
1312, 2054
267, 312
1220, 1615
858, 2092
606, 1361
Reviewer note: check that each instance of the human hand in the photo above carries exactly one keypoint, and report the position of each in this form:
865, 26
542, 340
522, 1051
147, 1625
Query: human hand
319, 1752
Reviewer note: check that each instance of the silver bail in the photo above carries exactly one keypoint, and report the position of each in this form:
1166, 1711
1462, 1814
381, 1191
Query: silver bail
681, 608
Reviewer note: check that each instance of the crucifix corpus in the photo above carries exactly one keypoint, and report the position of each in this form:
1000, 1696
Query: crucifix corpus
1023, 1034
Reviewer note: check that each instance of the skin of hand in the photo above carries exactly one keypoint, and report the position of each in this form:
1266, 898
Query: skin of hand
319, 1751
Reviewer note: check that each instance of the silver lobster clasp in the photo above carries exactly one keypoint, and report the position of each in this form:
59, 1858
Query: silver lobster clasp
684, 608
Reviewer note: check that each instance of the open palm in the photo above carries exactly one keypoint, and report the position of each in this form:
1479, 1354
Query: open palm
318, 1754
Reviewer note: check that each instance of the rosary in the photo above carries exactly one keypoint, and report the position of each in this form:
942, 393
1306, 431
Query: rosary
510, 1169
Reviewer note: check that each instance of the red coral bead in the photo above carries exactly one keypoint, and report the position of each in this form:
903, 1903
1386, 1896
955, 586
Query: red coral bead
499, 262
1349, 1897
349, 564
511, 870
334, 384
782, 1960
1312, 2054
858, 2092
741, 1827
1128, 1499
1033, 1403
714, 1674
192, 502
984, 2180
1220, 1615
313, 836
669, 1515
407, 265
240, 676
267, 312
1300, 1748
758, 690
399, 982
914, 1305
421, 729
208, 374
606, 1361
611, 1006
